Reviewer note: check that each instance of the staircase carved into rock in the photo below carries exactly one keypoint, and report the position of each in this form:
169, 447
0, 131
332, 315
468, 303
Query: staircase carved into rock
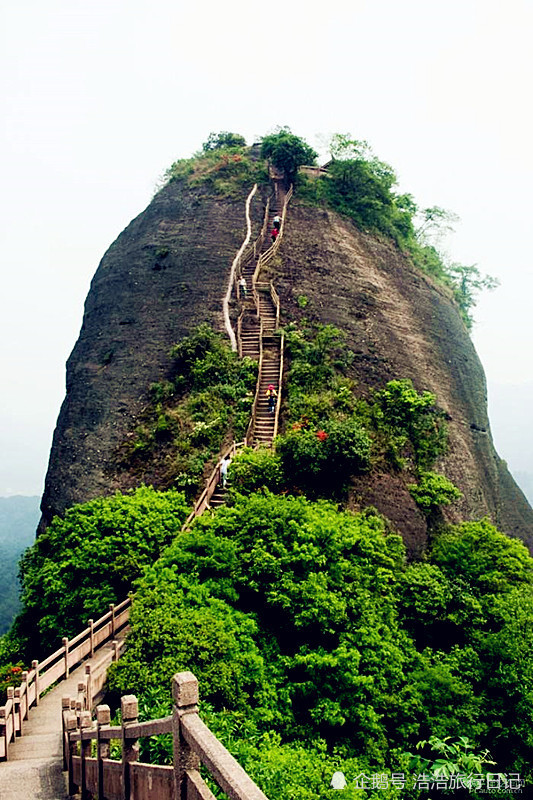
257, 338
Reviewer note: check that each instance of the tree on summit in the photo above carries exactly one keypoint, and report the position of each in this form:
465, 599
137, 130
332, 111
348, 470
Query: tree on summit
287, 151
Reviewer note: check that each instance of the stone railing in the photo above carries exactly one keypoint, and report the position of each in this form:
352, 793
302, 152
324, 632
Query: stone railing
57, 666
129, 779
211, 484
267, 256
248, 439
280, 380
235, 267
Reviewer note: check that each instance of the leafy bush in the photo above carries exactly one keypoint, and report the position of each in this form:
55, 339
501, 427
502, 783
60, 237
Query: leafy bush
204, 402
224, 166
324, 459
432, 491
90, 558
251, 470
10, 676
217, 141
306, 578
416, 415
287, 152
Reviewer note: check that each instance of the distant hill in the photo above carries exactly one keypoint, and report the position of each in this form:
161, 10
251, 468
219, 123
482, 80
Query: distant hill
18, 520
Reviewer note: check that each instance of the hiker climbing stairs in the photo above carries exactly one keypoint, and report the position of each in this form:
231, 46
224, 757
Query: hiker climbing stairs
264, 424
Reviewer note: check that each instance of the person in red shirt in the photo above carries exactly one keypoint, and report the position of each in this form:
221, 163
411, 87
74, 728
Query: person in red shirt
274, 234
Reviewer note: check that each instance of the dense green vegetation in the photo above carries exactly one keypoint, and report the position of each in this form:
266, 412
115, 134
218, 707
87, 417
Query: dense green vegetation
18, 520
224, 166
332, 434
287, 152
362, 187
357, 184
204, 402
88, 559
308, 629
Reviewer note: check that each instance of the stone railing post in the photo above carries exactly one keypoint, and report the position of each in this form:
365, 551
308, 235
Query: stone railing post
112, 609
185, 696
89, 685
82, 697
65, 646
71, 725
3, 729
35, 666
115, 649
25, 701
130, 747
65, 712
85, 752
17, 717
91, 636
103, 717
10, 696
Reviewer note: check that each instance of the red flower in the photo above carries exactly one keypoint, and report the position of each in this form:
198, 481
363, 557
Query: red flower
322, 435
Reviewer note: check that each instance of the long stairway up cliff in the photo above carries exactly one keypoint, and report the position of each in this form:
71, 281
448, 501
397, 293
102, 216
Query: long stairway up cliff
168, 271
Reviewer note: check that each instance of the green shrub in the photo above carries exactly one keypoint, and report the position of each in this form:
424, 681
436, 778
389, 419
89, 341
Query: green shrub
224, 139
204, 403
287, 152
324, 460
432, 491
415, 414
10, 676
252, 470
90, 558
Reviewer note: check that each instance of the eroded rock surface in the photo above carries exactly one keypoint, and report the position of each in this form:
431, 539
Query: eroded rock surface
168, 271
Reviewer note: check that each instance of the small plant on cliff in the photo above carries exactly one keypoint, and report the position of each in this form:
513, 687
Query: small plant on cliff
401, 409
323, 460
433, 491
204, 401
224, 165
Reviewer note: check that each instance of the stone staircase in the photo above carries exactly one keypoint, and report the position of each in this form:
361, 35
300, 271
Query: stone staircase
218, 498
263, 429
252, 328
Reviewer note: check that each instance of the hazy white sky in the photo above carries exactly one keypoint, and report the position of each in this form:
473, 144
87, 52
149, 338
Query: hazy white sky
100, 96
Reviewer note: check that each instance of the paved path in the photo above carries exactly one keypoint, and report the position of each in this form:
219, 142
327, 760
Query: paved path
34, 769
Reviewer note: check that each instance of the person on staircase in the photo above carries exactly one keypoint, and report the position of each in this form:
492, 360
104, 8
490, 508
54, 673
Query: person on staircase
277, 222
243, 289
274, 234
224, 464
272, 396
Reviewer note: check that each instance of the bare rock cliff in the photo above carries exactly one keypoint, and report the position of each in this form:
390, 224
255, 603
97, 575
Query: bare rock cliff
168, 271
401, 324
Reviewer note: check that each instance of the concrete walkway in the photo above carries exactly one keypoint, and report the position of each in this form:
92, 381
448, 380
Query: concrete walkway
34, 769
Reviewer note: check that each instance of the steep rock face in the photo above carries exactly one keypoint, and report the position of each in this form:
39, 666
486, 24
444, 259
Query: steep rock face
168, 271
400, 324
